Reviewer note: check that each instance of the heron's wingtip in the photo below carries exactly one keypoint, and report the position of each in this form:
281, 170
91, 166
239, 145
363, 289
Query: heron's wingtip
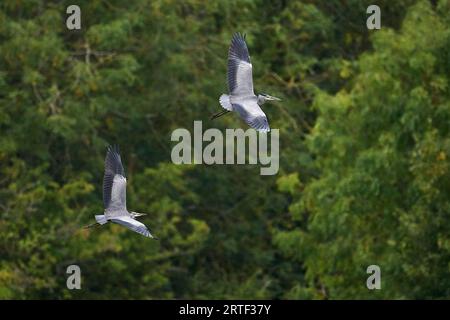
239, 35
113, 148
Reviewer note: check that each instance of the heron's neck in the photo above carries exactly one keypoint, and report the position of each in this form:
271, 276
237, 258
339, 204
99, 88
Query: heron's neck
261, 100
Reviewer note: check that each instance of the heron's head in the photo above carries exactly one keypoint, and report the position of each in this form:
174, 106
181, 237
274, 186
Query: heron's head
137, 214
263, 97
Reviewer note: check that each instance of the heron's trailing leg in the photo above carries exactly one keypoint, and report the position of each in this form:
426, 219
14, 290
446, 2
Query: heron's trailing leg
219, 114
91, 225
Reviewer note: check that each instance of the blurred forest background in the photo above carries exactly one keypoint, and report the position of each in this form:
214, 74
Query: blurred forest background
364, 144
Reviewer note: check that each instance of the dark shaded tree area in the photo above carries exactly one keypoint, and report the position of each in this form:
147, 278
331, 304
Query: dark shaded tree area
364, 149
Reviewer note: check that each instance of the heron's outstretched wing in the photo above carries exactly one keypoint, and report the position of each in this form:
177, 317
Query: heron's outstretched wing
240, 78
114, 182
132, 224
253, 115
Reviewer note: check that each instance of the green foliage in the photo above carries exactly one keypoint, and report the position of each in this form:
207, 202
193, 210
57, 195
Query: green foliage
381, 145
363, 161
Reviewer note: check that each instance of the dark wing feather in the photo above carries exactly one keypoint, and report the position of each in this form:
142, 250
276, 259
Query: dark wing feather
239, 76
113, 166
257, 120
132, 224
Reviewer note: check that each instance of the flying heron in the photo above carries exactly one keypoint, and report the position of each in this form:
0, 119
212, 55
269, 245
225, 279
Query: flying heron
241, 97
114, 196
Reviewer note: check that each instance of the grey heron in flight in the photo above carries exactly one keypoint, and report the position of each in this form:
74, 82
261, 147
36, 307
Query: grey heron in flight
114, 196
241, 97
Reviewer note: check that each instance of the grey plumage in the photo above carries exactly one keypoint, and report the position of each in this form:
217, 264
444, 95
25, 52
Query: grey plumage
132, 224
114, 196
239, 76
114, 183
241, 97
256, 121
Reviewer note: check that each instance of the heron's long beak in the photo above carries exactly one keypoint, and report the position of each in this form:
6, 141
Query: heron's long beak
138, 214
273, 98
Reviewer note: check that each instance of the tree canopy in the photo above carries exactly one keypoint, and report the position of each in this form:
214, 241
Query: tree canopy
364, 150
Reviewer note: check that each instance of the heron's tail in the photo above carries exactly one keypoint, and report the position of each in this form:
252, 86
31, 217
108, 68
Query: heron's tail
101, 218
225, 102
